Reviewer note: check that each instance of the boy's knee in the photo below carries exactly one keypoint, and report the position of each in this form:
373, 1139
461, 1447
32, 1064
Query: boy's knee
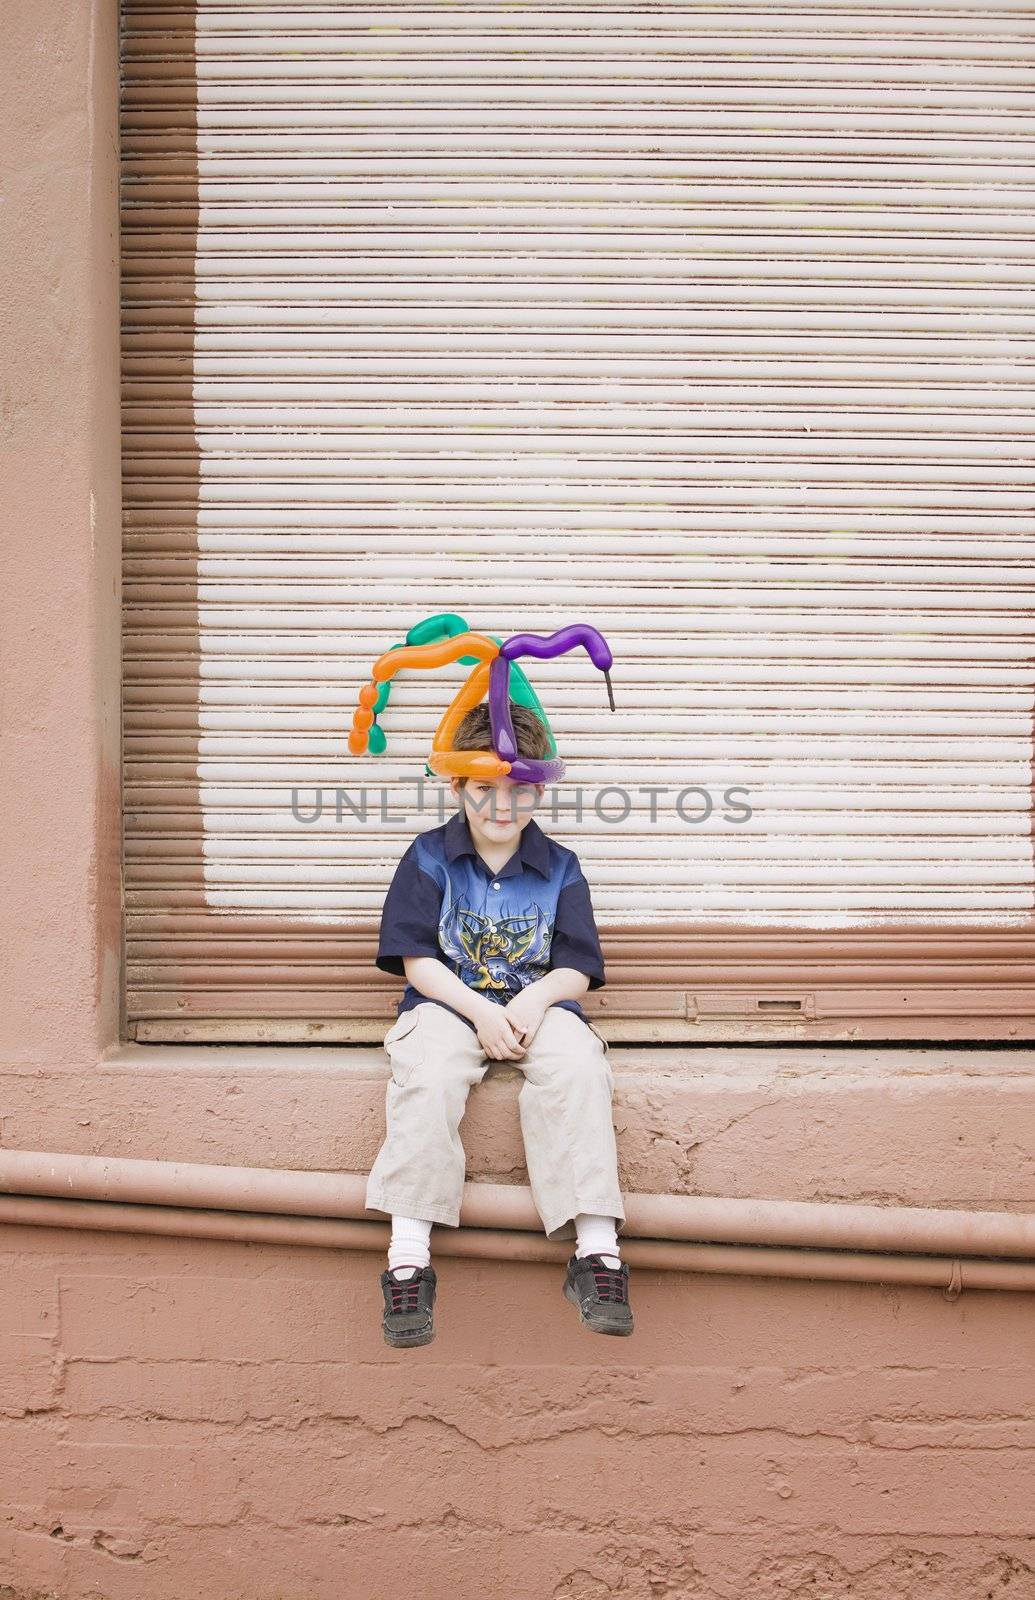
578, 1035
570, 1052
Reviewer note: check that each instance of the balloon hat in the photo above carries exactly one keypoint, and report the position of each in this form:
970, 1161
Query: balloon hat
441, 639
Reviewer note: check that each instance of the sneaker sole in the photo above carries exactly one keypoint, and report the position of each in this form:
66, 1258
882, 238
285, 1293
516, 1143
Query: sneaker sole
403, 1341
597, 1327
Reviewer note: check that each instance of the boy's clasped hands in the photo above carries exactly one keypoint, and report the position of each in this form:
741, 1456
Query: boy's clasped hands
504, 1032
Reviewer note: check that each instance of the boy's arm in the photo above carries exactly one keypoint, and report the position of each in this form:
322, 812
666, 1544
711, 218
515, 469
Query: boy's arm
528, 1007
560, 983
434, 979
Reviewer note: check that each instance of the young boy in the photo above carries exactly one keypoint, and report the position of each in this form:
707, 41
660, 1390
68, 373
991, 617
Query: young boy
491, 923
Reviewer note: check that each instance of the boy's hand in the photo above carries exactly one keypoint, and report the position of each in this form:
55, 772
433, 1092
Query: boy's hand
526, 1011
496, 1033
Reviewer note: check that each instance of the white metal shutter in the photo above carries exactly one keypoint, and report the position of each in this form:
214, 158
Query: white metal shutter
709, 325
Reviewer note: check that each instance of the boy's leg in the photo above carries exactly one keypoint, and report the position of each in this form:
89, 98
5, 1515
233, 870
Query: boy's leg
597, 1236
566, 1122
420, 1168
409, 1248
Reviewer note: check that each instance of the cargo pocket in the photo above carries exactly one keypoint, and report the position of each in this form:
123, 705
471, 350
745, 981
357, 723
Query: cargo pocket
594, 1029
608, 1069
404, 1045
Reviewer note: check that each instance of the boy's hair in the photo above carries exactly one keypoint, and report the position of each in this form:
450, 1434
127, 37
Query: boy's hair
475, 732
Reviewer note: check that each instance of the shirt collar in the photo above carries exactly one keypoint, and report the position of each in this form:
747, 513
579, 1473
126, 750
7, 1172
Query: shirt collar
533, 849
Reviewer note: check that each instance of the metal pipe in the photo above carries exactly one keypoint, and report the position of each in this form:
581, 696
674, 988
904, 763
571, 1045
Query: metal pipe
652, 1216
951, 1274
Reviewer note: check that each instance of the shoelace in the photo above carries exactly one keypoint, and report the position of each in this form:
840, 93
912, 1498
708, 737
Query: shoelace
405, 1291
611, 1284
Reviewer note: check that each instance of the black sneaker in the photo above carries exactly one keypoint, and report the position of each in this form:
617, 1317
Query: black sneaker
601, 1294
409, 1307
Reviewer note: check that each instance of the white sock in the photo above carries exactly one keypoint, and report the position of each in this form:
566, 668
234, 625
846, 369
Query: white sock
597, 1235
410, 1245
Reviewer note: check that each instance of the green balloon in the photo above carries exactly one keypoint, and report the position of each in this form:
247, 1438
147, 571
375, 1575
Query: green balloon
446, 625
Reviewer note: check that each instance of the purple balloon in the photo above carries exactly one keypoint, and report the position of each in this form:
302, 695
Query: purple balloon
504, 741
559, 643
524, 770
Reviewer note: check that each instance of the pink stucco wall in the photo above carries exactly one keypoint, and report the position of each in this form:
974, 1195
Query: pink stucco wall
59, 822
224, 1421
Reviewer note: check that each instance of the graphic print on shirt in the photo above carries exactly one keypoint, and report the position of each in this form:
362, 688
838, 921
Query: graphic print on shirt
498, 958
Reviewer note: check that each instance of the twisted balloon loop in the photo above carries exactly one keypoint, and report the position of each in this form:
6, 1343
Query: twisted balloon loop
439, 640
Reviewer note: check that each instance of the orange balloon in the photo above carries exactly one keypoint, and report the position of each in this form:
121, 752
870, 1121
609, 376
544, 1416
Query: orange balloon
438, 654
483, 765
460, 763
467, 697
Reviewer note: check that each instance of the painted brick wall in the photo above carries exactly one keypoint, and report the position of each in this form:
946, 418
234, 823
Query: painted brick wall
225, 1421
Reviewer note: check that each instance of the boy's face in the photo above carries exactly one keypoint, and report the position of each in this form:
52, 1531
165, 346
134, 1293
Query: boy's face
497, 810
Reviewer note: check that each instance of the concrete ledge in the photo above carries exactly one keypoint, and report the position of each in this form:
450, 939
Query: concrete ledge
792, 1059
937, 1126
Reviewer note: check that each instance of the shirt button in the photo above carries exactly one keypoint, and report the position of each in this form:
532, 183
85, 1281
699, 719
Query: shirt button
495, 886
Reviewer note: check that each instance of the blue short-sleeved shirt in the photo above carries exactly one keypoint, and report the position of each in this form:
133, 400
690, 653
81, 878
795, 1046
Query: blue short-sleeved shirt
498, 931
